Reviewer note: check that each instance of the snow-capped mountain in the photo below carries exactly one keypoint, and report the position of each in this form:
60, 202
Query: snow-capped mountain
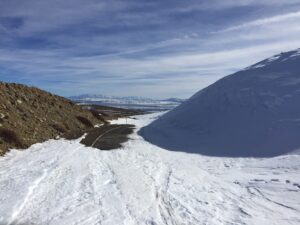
129, 102
254, 112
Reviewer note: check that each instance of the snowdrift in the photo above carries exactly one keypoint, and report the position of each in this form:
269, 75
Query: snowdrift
252, 113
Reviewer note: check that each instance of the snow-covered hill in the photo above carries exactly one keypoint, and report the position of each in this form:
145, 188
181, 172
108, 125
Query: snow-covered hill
62, 182
254, 112
130, 102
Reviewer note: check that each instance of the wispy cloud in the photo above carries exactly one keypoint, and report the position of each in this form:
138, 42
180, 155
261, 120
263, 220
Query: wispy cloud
265, 21
134, 47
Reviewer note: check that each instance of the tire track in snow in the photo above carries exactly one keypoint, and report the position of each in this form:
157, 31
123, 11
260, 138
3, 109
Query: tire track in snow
143, 185
252, 191
31, 189
171, 209
128, 211
164, 207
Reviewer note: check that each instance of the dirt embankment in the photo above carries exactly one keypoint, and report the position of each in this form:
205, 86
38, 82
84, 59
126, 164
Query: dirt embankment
29, 115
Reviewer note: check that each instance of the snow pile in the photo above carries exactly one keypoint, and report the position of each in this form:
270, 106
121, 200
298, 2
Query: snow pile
254, 112
62, 182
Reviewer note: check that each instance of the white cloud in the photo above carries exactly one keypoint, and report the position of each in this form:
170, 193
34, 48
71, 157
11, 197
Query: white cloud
193, 59
226, 4
265, 21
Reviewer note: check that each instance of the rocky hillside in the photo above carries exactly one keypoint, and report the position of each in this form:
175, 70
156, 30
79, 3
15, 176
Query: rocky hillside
29, 115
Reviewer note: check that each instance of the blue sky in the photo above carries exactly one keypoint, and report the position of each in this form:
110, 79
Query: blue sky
153, 48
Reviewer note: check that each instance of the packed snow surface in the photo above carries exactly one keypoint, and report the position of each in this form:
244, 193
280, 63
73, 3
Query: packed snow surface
63, 182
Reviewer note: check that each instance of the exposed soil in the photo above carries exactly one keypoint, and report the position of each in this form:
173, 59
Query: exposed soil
29, 115
108, 137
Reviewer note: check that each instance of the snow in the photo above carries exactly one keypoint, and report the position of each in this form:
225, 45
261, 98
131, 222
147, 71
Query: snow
296, 53
286, 56
63, 182
265, 62
234, 117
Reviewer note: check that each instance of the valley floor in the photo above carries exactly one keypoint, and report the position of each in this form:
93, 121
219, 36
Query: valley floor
63, 182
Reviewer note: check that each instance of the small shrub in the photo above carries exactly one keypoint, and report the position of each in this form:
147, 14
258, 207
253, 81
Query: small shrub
95, 114
66, 126
104, 114
85, 121
98, 116
59, 127
11, 137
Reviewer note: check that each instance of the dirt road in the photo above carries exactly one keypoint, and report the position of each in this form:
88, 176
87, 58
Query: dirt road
108, 137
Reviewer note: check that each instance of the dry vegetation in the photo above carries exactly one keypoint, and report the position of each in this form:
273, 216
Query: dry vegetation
98, 116
85, 121
11, 137
29, 115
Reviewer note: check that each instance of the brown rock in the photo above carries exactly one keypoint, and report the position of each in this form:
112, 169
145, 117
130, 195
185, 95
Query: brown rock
37, 115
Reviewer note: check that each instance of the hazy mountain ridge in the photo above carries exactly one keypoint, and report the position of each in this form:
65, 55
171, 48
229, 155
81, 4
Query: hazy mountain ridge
126, 99
131, 102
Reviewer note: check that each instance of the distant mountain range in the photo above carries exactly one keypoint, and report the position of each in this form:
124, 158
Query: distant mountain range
132, 102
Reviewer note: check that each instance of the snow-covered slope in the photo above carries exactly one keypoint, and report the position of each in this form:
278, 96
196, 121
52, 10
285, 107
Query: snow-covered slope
254, 112
131, 102
64, 183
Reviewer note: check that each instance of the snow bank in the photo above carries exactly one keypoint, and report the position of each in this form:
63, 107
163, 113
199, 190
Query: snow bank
254, 112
